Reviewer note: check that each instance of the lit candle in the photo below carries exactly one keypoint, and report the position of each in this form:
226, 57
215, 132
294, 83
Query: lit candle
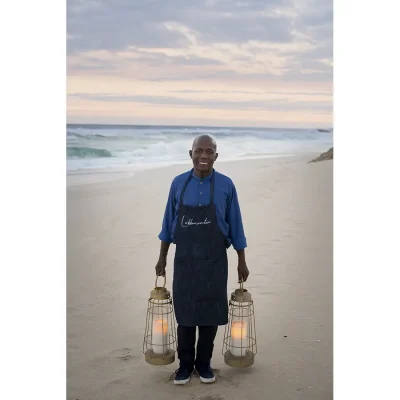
160, 336
239, 338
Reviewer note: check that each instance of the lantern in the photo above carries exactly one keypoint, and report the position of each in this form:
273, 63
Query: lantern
159, 343
240, 346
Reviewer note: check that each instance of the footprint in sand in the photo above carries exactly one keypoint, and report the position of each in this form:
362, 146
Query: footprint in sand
266, 293
207, 397
228, 381
123, 354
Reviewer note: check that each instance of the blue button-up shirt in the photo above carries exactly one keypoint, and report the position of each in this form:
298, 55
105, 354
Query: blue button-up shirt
197, 193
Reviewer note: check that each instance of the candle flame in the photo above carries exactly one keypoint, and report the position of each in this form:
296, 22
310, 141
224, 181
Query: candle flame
239, 330
160, 326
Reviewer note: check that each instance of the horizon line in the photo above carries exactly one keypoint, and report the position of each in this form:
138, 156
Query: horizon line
194, 126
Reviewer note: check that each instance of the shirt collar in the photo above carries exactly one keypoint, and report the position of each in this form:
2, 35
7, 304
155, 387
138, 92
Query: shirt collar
207, 178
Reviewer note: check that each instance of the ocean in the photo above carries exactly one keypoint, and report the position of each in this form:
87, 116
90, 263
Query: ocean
119, 147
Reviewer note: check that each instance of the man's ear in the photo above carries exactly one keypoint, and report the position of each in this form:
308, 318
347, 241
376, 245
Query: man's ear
216, 156
190, 153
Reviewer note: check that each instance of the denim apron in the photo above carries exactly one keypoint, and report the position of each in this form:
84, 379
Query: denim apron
200, 265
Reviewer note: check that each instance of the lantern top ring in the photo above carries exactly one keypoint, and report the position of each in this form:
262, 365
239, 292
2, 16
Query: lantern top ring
241, 295
160, 292
165, 281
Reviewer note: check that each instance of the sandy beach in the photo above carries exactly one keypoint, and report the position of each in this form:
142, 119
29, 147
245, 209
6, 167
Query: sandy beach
112, 248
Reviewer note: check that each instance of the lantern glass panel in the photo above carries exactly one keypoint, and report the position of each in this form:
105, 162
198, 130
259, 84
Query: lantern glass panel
239, 330
160, 329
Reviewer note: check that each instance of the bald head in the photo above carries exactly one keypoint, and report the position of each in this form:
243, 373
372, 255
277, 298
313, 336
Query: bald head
204, 139
203, 154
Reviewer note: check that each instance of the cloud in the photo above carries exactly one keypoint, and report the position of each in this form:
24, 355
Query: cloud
237, 46
120, 23
227, 92
247, 37
171, 101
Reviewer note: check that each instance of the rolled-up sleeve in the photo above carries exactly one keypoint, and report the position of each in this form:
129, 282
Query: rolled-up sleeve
234, 220
169, 214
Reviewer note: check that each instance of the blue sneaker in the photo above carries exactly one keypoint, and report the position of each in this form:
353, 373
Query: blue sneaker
182, 376
206, 374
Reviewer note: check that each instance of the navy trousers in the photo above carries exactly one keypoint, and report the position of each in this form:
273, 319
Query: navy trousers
189, 356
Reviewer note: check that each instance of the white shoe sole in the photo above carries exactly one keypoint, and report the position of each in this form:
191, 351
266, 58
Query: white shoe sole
182, 382
209, 380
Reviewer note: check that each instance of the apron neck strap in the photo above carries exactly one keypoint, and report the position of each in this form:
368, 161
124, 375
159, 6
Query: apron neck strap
212, 188
186, 183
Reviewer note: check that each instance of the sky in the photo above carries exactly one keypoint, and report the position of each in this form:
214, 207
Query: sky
200, 62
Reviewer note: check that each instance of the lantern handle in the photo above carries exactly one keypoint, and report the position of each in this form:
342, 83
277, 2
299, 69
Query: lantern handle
165, 280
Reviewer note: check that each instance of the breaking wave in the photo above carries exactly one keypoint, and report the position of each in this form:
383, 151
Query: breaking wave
87, 152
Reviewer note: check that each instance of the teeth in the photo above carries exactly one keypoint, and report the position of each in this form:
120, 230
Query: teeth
203, 163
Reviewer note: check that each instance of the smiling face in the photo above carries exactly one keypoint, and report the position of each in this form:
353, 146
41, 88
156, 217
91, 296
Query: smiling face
203, 154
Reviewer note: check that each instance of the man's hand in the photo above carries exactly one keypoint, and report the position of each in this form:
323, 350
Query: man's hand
243, 271
160, 267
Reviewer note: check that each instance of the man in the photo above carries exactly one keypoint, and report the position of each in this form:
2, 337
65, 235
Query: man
203, 219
